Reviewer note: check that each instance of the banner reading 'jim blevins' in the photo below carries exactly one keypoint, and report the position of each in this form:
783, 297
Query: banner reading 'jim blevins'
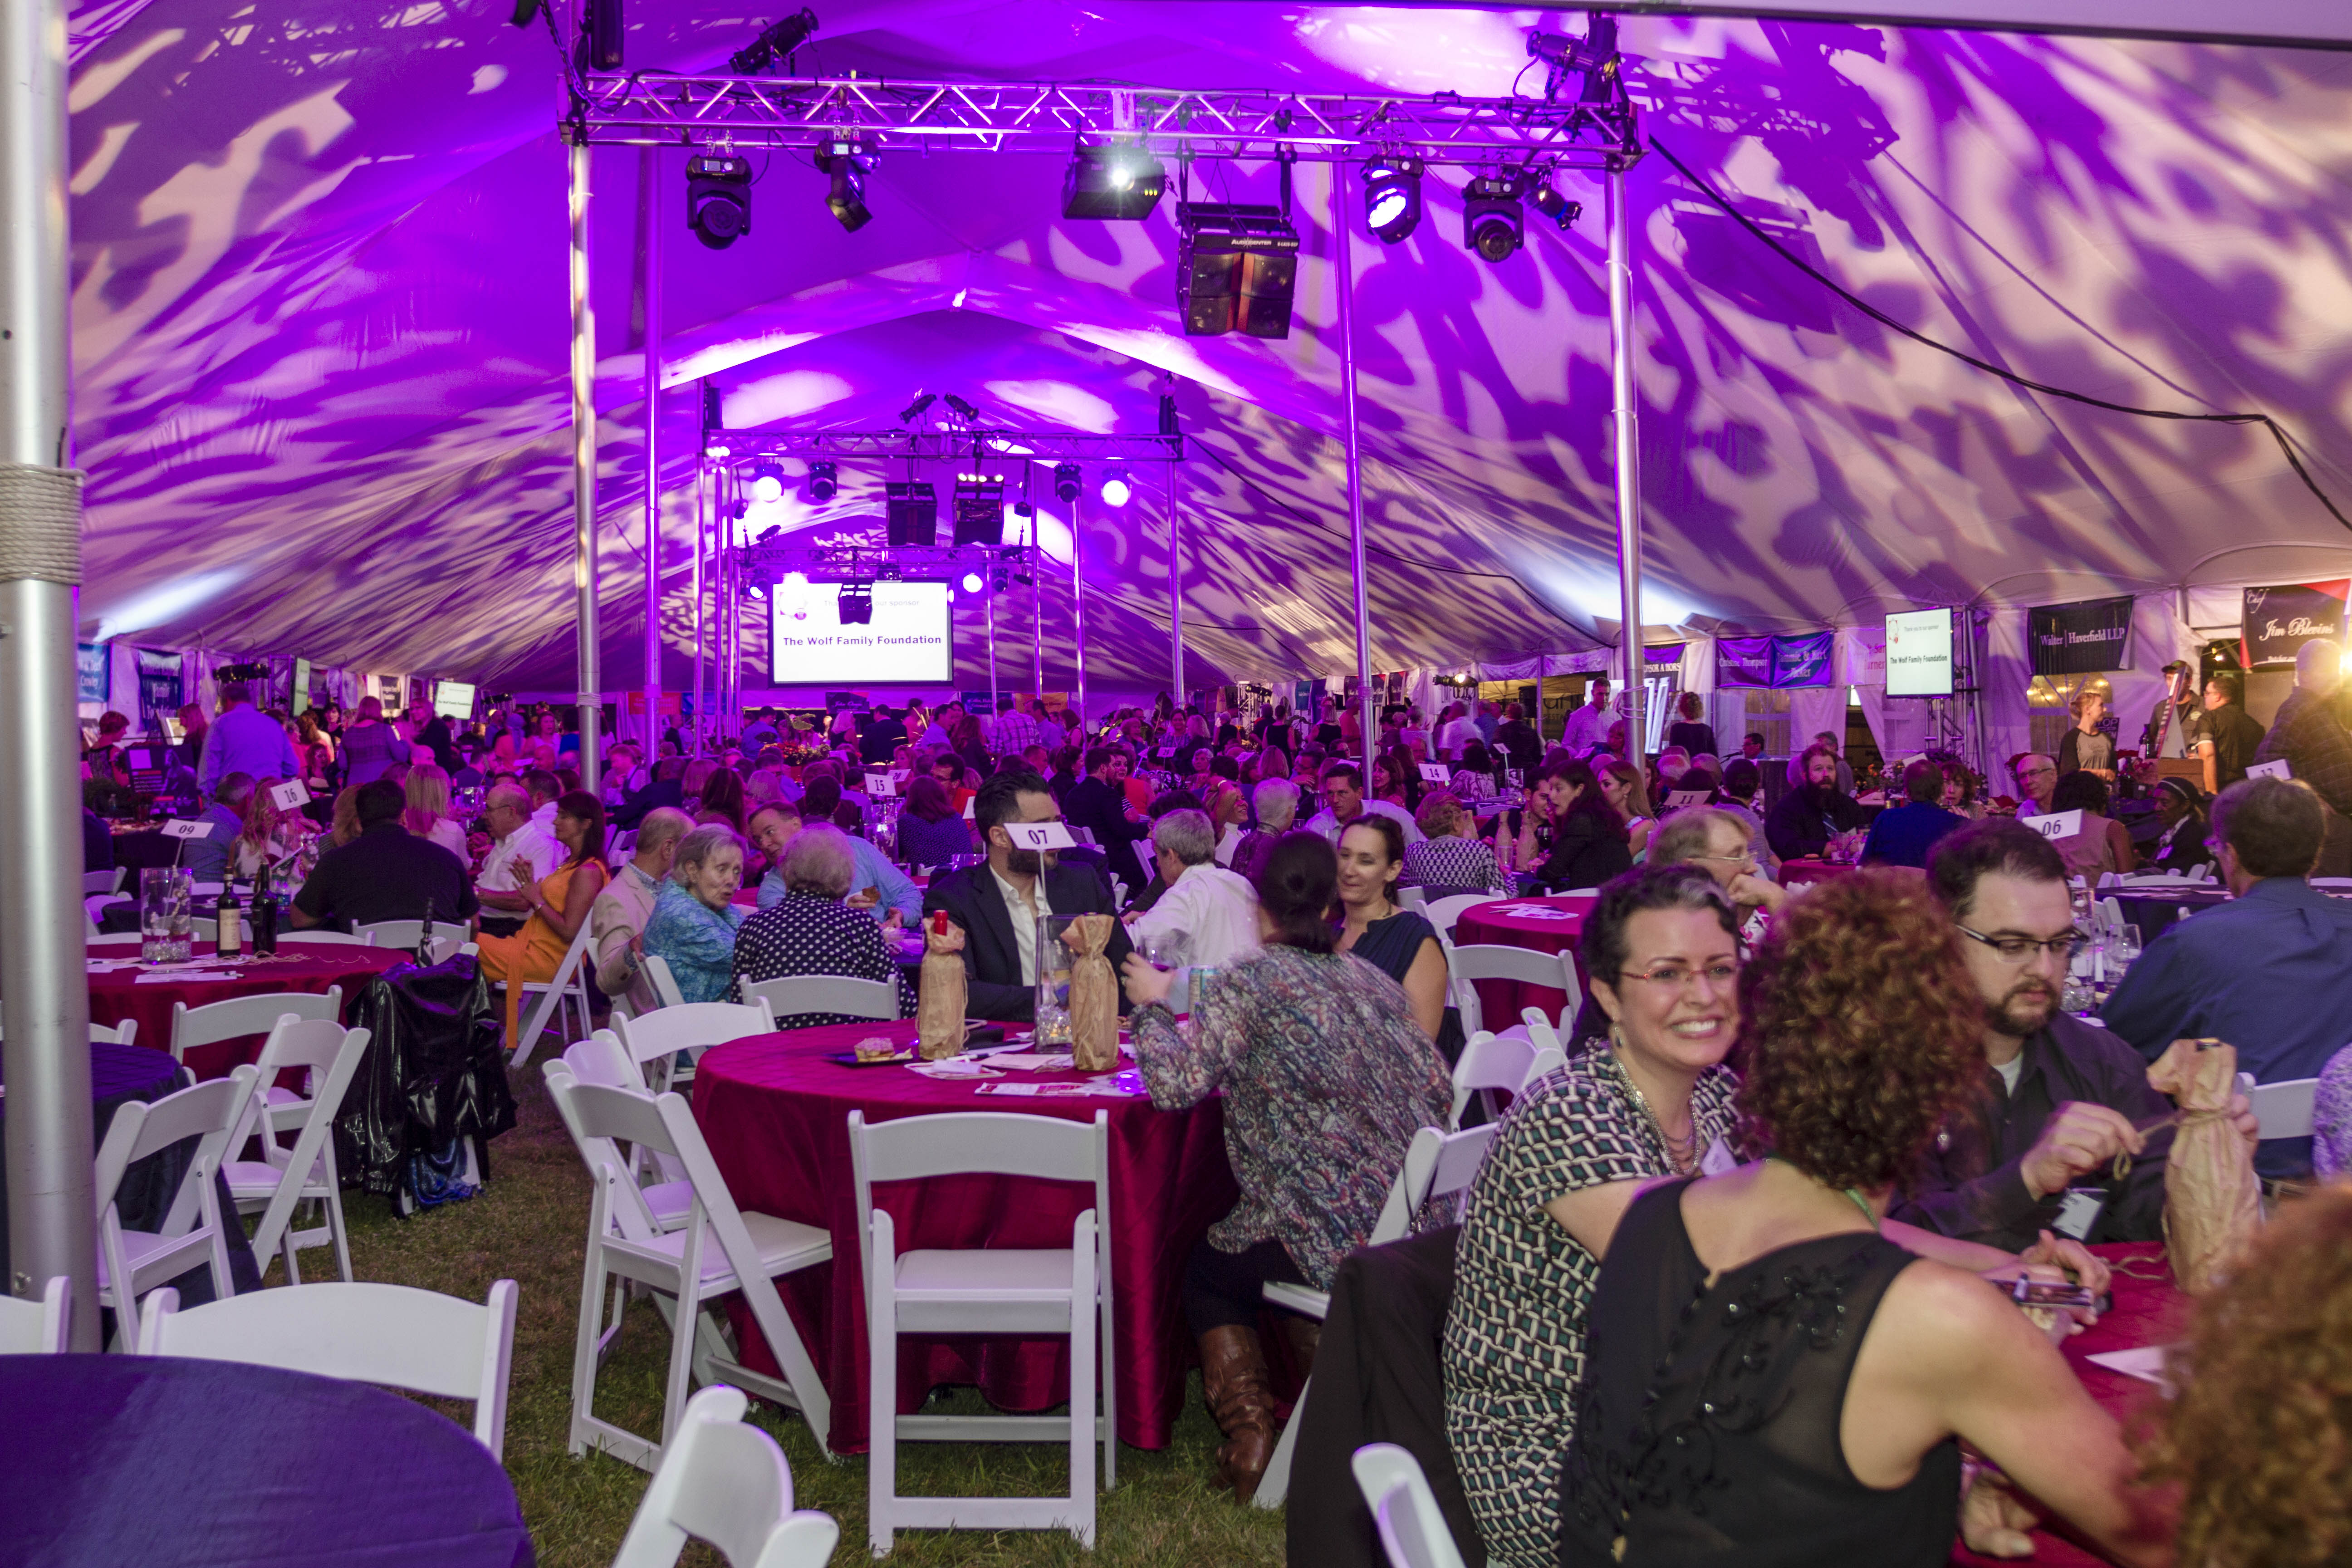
2281, 620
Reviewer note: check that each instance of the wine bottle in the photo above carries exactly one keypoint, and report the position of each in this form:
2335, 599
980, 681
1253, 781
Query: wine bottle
424, 938
230, 916
265, 917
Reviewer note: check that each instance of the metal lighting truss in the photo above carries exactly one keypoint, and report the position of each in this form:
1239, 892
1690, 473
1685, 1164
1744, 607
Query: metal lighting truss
866, 563
741, 448
736, 112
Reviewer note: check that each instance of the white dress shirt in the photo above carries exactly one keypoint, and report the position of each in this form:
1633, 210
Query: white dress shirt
1324, 822
1024, 908
529, 854
1587, 728
1211, 910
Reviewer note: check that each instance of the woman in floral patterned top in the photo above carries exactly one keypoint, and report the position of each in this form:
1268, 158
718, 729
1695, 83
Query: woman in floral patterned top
1652, 1100
1326, 1079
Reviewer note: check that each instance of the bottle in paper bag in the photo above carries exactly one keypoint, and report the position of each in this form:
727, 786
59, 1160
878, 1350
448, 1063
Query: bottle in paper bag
1094, 995
2212, 1202
939, 1006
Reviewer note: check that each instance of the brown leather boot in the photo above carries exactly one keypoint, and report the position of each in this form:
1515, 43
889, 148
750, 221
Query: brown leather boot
1240, 1399
1304, 1334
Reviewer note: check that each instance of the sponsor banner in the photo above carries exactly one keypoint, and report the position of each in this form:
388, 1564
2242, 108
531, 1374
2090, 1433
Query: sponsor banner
2279, 621
2090, 636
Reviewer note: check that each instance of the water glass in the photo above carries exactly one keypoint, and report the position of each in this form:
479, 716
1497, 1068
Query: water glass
166, 921
1054, 961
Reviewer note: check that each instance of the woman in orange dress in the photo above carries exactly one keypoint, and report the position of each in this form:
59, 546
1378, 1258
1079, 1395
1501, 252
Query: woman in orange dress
559, 907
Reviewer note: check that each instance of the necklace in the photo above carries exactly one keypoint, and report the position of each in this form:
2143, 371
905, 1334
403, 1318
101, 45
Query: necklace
1682, 1155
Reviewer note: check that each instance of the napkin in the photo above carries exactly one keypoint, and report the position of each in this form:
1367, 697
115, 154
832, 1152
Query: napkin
2147, 1363
167, 976
1031, 1061
957, 1069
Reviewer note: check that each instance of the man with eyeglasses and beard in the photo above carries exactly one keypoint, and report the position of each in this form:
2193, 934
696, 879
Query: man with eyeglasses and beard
2062, 1099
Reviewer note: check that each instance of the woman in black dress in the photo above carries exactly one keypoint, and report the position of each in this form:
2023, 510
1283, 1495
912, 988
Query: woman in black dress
1382, 931
1771, 1382
1690, 731
1581, 842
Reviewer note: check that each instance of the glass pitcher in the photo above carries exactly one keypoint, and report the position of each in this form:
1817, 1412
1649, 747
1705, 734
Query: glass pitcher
166, 922
1054, 962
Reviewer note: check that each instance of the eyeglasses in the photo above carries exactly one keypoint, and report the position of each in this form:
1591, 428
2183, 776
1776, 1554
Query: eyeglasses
1675, 977
2022, 949
1745, 857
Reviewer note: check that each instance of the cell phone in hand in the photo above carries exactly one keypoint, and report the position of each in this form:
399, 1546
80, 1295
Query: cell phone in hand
2045, 1293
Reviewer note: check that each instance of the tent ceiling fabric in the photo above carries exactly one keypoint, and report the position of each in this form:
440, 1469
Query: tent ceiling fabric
321, 333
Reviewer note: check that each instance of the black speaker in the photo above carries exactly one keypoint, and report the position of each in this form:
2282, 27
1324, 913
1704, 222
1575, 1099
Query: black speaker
913, 514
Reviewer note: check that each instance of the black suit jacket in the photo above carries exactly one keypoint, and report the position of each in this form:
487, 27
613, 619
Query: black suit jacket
1102, 809
631, 813
991, 958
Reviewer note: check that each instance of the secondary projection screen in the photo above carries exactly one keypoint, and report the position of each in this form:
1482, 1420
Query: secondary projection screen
1919, 653
453, 699
908, 642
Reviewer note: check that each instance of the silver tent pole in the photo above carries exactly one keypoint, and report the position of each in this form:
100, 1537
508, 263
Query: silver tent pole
1175, 588
1036, 622
1629, 472
1347, 290
1078, 611
583, 472
989, 580
649, 171
52, 1222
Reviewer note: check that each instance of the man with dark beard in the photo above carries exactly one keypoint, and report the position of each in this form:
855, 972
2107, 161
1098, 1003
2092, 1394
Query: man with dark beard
2061, 1099
997, 903
1814, 811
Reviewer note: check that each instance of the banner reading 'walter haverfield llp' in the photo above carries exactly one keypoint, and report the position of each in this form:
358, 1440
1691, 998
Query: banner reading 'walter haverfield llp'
2281, 620
2089, 637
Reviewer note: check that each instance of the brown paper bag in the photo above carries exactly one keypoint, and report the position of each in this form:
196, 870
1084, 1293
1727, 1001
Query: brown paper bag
2212, 1204
940, 1001
1094, 995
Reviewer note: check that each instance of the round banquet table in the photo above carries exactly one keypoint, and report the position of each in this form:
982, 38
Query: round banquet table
1503, 923
775, 1113
116, 994
1795, 874
162, 1462
2149, 1310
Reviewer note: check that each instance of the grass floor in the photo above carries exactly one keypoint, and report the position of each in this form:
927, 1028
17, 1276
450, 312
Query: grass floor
531, 1225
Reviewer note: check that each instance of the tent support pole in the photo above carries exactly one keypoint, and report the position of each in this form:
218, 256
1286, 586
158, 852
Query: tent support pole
1629, 473
1077, 615
1369, 730
1175, 588
701, 626
583, 474
1036, 623
992, 646
650, 172
52, 1226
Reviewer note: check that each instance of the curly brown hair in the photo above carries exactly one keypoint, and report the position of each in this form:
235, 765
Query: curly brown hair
2261, 1436
1861, 1029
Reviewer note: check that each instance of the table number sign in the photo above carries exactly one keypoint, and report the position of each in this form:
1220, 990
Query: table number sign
1040, 836
184, 827
2277, 770
1676, 800
881, 787
1436, 773
291, 795
2060, 825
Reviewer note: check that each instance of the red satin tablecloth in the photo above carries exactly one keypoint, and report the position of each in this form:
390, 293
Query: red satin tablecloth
2149, 1310
775, 1113
1501, 1000
311, 966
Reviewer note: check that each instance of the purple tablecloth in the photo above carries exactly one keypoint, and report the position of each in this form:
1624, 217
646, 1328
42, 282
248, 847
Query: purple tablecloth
111, 1460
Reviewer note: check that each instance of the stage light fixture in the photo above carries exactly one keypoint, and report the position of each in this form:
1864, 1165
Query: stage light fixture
1493, 218
1235, 268
1393, 197
1113, 182
855, 606
1065, 482
1557, 207
914, 411
963, 411
847, 162
972, 584
601, 27
775, 42
716, 450
911, 513
824, 480
796, 582
979, 511
768, 481
719, 199
1118, 490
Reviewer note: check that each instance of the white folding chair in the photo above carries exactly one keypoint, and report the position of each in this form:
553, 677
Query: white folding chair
320, 934
39, 1327
681, 1029
123, 1033
2288, 1109
663, 982
1488, 1063
390, 1335
96, 883
1494, 961
328, 1054
1412, 1530
1414, 900
725, 1481
403, 935
117, 939
570, 987
1436, 1165
789, 997
986, 1291
133, 1262
242, 1016
601, 1059
1443, 913
719, 1250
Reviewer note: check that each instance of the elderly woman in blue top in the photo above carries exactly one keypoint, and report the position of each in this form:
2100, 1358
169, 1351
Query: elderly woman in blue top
694, 923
